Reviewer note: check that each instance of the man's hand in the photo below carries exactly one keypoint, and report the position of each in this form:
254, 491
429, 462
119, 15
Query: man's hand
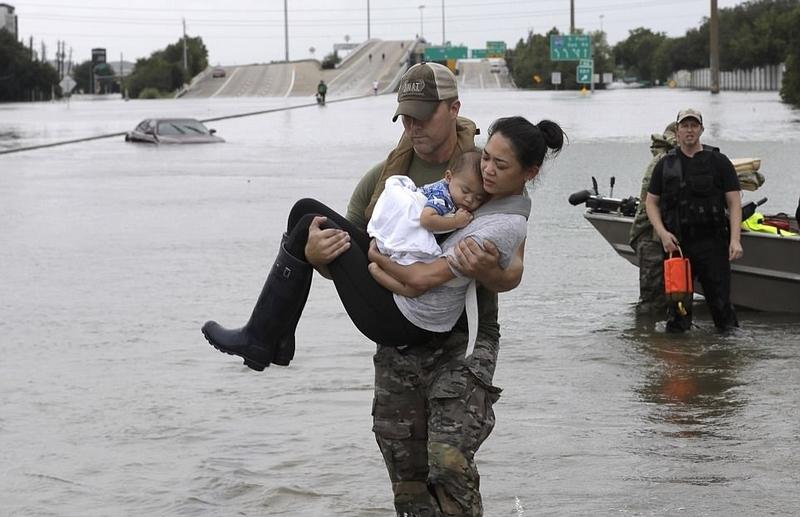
735, 250
668, 241
323, 246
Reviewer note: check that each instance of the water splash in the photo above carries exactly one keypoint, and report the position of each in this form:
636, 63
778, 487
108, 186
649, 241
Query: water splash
518, 507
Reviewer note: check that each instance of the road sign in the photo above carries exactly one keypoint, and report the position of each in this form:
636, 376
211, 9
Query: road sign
586, 62
573, 47
584, 74
478, 53
445, 53
67, 84
555, 77
495, 48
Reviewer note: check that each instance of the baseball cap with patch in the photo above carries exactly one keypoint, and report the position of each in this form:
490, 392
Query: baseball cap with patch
421, 89
689, 113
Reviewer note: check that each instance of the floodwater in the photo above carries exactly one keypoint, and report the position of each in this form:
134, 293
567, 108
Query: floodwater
112, 255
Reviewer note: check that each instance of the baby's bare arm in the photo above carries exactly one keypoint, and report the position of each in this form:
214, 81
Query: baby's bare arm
433, 222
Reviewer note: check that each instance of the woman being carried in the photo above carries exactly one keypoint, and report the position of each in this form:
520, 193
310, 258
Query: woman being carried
513, 155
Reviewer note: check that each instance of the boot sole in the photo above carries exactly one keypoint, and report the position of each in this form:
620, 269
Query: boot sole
250, 363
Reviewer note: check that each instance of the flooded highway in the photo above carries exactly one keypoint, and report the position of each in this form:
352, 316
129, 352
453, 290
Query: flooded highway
112, 255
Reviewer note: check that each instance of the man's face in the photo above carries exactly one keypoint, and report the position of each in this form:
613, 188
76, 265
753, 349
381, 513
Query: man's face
429, 135
689, 131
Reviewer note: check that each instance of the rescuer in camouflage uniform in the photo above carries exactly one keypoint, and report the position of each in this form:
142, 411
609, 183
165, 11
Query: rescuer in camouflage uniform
433, 407
643, 238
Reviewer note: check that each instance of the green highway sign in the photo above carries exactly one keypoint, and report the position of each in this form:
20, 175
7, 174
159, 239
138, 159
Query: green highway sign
584, 74
573, 47
495, 49
478, 53
445, 53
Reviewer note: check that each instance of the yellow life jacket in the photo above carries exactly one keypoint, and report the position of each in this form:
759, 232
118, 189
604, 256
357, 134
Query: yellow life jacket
755, 223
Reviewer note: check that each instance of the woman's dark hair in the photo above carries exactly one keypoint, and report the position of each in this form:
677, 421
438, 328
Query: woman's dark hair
530, 142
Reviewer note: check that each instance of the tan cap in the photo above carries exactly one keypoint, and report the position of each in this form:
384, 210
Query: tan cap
421, 89
689, 113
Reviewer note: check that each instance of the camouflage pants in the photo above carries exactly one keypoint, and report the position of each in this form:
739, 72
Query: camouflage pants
430, 416
652, 299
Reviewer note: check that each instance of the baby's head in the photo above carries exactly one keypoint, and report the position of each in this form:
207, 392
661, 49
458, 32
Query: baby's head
465, 181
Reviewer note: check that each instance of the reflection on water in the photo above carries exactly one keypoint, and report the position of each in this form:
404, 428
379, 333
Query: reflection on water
691, 381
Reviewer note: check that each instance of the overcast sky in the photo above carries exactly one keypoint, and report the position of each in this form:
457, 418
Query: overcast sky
251, 31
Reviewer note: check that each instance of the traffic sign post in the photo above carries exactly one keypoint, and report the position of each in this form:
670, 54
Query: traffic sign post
584, 75
67, 84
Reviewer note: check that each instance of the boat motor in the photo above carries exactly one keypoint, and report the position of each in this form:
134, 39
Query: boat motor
598, 203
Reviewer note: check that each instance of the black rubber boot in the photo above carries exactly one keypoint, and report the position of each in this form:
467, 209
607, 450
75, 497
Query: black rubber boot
274, 317
284, 352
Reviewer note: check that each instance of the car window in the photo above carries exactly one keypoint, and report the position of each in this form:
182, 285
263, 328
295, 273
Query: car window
142, 126
181, 127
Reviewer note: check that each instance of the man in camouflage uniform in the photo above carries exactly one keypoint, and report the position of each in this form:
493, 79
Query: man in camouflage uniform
433, 407
643, 238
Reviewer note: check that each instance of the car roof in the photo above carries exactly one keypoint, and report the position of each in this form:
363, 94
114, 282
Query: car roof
181, 119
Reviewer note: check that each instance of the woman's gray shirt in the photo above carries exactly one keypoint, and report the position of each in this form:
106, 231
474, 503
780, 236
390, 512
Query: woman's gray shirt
505, 223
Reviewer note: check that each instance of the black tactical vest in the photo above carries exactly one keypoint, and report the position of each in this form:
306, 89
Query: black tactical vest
693, 202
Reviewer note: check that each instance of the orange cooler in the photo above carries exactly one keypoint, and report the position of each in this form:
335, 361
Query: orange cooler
677, 276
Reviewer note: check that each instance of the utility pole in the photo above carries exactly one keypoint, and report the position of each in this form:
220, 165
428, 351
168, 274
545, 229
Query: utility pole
572, 16
185, 60
444, 40
714, 47
368, 34
286, 27
421, 35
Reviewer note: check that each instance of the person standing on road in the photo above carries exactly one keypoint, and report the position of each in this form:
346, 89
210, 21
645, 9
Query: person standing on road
322, 90
690, 192
375, 86
643, 238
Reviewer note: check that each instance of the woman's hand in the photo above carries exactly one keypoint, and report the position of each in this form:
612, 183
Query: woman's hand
471, 259
483, 264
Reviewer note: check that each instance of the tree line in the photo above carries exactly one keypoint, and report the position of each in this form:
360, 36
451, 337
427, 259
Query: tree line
756, 33
21, 77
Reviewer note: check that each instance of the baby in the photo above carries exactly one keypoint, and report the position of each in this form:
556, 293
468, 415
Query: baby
406, 217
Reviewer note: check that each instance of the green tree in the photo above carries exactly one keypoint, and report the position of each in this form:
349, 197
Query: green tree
163, 71
635, 54
22, 78
82, 74
790, 89
330, 61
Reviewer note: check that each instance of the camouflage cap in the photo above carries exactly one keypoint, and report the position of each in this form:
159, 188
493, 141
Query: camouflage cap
421, 89
689, 113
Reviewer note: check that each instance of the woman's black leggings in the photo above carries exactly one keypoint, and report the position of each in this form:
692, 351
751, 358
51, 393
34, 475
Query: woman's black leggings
370, 306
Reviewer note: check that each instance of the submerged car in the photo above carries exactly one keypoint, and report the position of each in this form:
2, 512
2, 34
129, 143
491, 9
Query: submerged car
172, 131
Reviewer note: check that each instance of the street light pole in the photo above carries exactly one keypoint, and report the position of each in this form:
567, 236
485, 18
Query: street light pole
714, 47
444, 40
421, 35
572, 16
286, 27
368, 34
601, 22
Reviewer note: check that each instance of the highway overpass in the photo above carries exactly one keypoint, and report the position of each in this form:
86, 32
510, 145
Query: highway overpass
384, 61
